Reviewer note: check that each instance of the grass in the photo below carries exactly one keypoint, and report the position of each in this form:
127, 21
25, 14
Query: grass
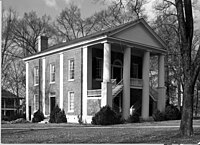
73, 133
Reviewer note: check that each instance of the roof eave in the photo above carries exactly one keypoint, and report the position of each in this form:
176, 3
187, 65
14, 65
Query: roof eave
85, 42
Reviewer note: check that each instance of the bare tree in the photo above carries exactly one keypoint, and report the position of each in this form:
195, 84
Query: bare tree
120, 12
191, 67
70, 25
27, 29
188, 58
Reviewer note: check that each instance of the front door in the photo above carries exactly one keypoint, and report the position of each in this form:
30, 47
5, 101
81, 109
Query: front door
117, 73
52, 103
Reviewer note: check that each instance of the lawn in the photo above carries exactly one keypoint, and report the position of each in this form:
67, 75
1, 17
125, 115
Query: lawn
72, 133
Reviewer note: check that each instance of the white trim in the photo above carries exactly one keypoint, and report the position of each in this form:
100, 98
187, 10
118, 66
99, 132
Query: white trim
66, 47
69, 69
43, 82
61, 80
27, 89
93, 98
85, 82
69, 96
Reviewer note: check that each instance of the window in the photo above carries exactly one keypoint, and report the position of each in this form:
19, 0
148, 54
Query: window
135, 70
99, 68
71, 69
36, 102
70, 101
52, 73
36, 75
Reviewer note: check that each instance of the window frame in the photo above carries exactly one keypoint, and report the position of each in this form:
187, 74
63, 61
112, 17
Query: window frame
35, 102
70, 70
36, 75
51, 73
69, 101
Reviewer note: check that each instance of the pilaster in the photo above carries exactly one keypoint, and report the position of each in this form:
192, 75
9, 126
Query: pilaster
61, 80
85, 84
27, 90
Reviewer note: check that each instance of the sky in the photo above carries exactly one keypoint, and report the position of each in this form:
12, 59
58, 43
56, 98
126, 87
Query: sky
53, 7
87, 7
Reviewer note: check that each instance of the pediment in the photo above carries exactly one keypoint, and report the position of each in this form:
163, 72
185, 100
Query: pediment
140, 34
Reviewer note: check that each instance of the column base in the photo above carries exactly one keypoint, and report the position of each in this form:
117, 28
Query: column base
149, 119
106, 94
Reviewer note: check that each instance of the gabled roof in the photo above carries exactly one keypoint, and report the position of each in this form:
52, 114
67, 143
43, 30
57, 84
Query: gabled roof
107, 32
103, 34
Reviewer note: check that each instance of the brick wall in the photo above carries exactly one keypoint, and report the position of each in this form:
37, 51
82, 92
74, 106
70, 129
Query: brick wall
74, 86
52, 87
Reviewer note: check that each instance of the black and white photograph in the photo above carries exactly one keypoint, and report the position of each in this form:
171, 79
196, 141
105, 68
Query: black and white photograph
100, 71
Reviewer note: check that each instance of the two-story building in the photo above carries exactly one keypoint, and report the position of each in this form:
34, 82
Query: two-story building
10, 104
110, 67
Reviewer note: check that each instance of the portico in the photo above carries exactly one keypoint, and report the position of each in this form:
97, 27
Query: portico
106, 92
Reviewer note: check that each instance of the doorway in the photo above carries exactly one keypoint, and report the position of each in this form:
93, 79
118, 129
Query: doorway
52, 103
117, 70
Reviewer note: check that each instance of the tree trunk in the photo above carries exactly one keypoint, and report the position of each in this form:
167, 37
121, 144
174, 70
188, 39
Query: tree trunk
186, 127
196, 110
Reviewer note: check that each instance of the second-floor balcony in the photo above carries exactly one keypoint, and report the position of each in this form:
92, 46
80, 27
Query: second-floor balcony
135, 82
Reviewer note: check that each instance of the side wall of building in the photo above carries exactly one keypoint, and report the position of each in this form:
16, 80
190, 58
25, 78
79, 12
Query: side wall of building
54, 88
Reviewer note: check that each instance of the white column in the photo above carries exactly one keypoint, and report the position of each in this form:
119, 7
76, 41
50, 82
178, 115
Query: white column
89, 68
27, 91
145, 90
126, 82
43, 83
107, 62
85, 83
61, 80
106, 86
161, 83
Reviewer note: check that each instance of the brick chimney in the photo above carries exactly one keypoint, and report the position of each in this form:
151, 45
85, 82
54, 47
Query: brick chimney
42, 43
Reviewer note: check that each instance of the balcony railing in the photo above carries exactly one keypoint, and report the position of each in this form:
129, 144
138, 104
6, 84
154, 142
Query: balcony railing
94, 93
136, 82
